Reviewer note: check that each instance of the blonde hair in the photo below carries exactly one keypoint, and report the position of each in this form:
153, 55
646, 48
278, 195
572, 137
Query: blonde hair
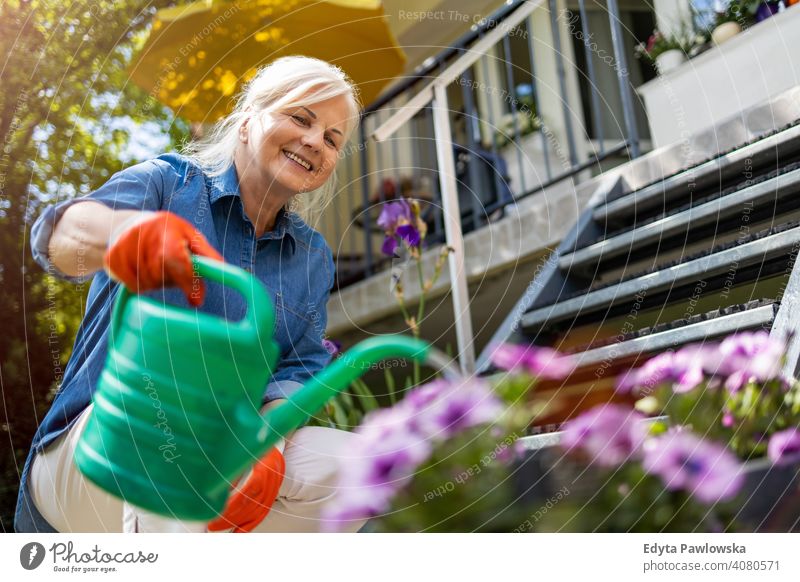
285, 83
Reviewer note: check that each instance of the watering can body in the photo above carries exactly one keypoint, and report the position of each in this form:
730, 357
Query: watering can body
176, 411
173, 417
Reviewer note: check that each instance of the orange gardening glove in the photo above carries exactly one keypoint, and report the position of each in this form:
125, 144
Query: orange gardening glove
154, 252
249, 504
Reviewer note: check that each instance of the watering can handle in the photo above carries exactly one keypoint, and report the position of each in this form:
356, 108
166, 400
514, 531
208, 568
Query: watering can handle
260, 314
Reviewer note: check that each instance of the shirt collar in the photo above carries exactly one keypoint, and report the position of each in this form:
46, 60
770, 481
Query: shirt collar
227, 185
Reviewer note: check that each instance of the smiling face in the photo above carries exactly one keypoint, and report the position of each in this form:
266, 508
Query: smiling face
292, 150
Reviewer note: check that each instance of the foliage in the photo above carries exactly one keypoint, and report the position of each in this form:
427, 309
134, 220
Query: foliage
68, 116
743, 12
444, 458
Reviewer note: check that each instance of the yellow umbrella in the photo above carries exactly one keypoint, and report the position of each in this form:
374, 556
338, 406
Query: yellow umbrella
199, 54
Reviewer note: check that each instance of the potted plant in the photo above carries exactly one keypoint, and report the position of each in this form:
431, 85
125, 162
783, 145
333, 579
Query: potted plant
665, 52
724, 458
726, 26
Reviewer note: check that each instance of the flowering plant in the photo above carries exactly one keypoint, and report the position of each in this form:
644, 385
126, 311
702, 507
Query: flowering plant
659, 43
447, 457
404, 237
724, 404
442, 458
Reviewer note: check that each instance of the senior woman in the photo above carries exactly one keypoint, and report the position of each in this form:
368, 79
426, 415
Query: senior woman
239, 195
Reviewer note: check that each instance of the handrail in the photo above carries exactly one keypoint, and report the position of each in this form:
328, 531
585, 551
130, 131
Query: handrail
421, 99
492, 21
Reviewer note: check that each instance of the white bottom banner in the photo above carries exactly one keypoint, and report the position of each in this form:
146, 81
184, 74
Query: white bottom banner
400, 557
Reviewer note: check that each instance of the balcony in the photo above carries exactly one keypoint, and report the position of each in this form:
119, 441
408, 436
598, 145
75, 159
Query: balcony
738, 75
539, 101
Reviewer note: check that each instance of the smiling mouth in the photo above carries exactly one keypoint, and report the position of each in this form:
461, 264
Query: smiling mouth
297, 159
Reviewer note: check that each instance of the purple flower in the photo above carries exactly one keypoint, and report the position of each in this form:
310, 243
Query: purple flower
462, 406
389, 246
393, 215
397, 220
784, 446
331, 346
409, 234
685, 370
538, 361
705, 470
656, 371
609, 433
419, 398
690, 365
396, 441
751, 356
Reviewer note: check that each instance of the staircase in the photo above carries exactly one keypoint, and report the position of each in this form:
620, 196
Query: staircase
698, 254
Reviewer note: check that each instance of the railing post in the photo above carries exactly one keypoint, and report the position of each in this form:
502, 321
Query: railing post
622, 77
362, 136
452, 229
513, 106
595, 106
562, 84
535, 95
472, 157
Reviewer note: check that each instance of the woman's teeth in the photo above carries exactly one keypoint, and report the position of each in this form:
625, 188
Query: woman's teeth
297, 159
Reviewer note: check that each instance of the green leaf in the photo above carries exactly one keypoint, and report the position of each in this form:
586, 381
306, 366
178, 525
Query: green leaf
367, 399
390, 387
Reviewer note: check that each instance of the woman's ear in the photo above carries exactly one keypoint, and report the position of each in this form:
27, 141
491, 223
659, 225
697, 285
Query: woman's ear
244, 131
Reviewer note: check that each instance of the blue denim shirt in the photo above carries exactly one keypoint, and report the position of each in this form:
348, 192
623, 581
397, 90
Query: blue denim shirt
293, 261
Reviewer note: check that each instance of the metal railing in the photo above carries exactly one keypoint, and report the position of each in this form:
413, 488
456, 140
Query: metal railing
437, 136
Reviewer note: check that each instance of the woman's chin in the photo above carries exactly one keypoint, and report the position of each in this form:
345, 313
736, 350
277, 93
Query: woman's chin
298, 185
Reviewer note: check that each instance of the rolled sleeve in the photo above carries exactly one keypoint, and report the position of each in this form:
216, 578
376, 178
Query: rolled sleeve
139, 187
309, 355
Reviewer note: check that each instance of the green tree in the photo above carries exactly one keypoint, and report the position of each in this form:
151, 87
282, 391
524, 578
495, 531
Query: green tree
67, 116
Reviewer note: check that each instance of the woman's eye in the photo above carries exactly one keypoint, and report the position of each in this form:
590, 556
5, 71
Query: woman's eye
330, 141
300, 119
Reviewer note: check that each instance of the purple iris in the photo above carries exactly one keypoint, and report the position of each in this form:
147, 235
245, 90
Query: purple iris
784, 446
394, 214
705, 470
397, 221
538, 361
611, 434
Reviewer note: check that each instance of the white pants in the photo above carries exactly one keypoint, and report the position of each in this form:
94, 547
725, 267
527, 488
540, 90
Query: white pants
71, 503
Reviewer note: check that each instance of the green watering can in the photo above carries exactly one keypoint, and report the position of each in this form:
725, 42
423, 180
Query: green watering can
176, 411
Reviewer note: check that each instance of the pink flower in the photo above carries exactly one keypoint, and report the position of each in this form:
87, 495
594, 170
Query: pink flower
705, 470
655, 372
751, 356
538, 361
396, 441
784, 446
611, 434
463, 406
728, 420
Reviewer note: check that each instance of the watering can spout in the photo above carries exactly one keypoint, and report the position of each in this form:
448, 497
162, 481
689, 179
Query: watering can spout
308, 400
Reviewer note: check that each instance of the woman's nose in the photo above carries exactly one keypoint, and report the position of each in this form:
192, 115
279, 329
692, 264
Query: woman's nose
312, 139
